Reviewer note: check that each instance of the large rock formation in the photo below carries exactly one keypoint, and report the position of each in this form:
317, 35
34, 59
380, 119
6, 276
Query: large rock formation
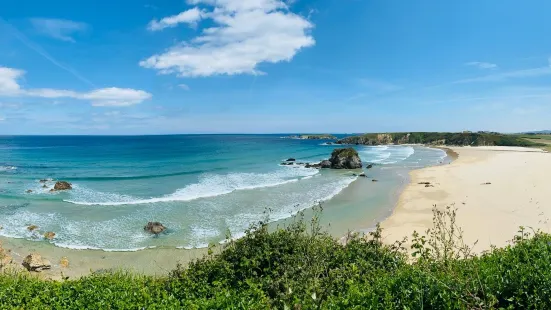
62, 185
325, 164
345, 159
154, 228
35, 262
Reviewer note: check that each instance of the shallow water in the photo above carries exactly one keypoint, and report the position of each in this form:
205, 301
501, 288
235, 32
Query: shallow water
203, 187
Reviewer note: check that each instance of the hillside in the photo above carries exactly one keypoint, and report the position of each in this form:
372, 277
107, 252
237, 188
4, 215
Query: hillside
440, 138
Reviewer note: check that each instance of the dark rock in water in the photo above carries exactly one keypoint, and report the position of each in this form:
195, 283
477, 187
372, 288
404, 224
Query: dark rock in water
325, 164
29, 191
286, 164
291, 159
363, 175
62, 185
309, 165
44, 186
345, 159
369, 166
43, 181
374, 180
154, 228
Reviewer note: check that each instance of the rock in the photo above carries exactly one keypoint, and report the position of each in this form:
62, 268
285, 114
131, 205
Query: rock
32, 227
29, 191
62, 185
64, 262
325, 164
428, 185
309, 165
363, 175
345, 159
424, 183
291, 159
154, 228
286, 163
35, 262
49, 235
487, 183
43, 181
369, 166
44, 186
374, 180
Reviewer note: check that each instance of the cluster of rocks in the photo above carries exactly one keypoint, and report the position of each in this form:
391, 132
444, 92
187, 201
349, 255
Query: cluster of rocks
154, 228
58, 186
347, 158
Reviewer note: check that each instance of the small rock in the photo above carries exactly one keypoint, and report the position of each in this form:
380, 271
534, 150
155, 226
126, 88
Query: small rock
325, 164
49, 235
374, 180
487, 183
291, 159
363, 175
64, 262
62, 185
43, 181
369, 166
428, 185
32, 227
44, 186
29, 191
35, 262
154, 228
424, 183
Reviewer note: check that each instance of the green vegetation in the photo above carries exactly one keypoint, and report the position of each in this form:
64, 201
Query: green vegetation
441, 138
543, 140
302, 267
314, 137
345, 153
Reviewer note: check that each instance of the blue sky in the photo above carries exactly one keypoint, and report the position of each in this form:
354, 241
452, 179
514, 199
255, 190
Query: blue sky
262, 66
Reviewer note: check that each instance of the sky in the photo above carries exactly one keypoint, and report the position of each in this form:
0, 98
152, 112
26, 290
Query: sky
273, 66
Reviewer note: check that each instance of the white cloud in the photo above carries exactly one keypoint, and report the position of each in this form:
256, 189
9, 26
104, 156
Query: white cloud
481, 65
183, 86
245, 33
60, 29
8, 80
191, 16
112, 96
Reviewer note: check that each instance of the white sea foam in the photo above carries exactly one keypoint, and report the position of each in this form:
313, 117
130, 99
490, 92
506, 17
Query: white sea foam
208, 186
7, 168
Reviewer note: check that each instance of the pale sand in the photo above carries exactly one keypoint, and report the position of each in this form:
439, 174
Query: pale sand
519, 195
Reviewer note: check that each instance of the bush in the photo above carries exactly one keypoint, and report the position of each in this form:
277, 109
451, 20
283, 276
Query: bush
302, 267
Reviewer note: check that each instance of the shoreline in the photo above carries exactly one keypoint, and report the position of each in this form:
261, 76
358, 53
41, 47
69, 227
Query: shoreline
347, 210
489, 214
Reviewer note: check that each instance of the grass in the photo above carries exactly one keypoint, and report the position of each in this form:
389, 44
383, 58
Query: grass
302, 267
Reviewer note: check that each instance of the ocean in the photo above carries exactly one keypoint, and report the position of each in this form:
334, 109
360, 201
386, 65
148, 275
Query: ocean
204, 188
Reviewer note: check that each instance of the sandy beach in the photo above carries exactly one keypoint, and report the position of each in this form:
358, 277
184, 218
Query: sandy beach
495, 190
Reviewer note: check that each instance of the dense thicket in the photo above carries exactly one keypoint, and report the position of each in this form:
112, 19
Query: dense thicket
301, 267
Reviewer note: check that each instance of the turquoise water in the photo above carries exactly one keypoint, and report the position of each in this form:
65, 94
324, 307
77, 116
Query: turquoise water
201, 187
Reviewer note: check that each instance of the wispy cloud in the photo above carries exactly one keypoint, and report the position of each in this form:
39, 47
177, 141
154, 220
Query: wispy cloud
111, 96
518, 74
378, 86
38, 49
191, 17
481, 65
60, 29
184, 86
244, 34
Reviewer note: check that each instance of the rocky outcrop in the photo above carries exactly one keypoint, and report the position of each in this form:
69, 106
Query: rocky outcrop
49, 235
35, 262
62, 186
32, 227
154, 228
326, 164
345, 159
291, 159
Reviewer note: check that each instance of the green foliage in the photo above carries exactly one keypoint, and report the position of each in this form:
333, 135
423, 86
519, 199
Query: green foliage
348, 152
442, 138
302, 267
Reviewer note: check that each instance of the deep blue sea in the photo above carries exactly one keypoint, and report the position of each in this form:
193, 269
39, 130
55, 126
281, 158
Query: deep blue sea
201, 187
